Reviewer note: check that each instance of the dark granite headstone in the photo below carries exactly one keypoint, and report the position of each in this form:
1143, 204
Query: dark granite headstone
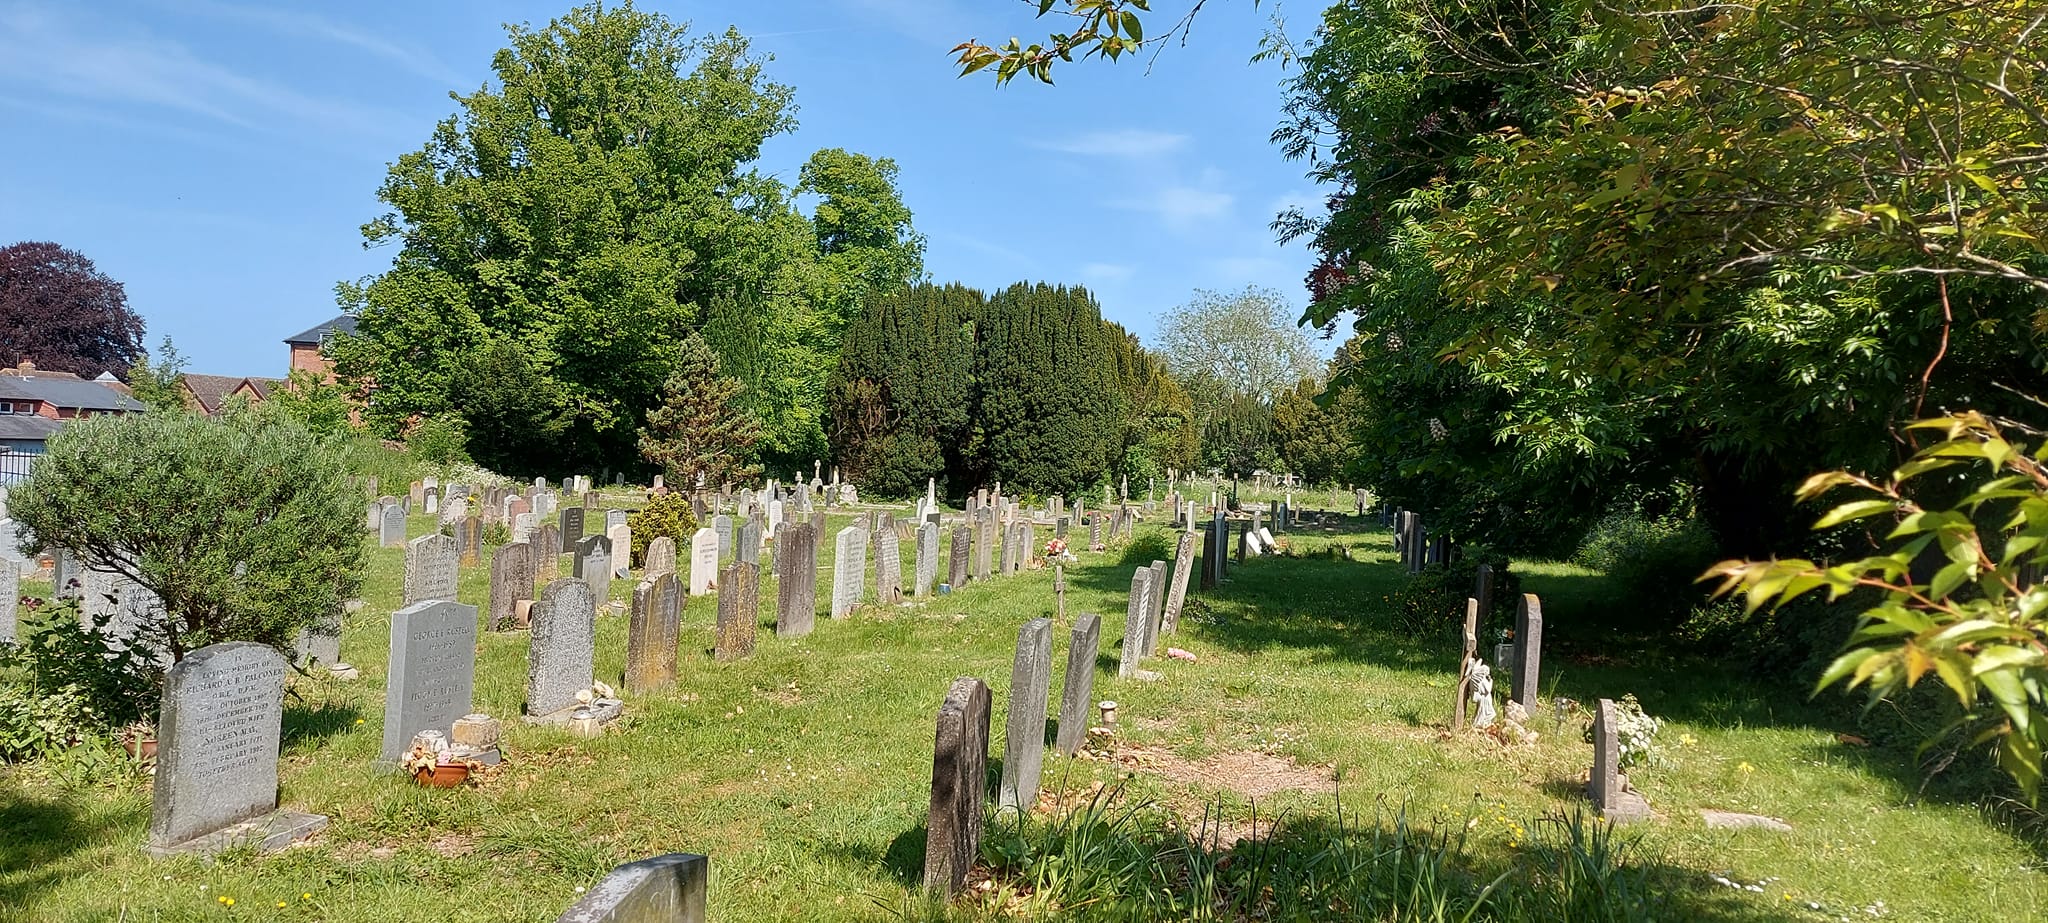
572, 528
959, 787
1075, 696
1024, 734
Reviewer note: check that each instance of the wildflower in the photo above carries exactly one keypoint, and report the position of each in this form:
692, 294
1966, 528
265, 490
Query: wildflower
306, 896
1687, 740
359, 720
280, 905
1745, 767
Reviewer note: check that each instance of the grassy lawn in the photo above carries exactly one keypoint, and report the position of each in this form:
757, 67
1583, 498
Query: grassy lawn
803, 771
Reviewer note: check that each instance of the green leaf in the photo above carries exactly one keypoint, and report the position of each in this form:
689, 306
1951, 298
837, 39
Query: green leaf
1859, 509
1845, 665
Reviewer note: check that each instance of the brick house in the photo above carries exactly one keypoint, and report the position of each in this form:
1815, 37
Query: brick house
305, 346
34, 405
209, 393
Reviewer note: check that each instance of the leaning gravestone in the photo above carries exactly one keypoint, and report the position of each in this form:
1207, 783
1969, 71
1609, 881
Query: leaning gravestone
703, 561
217, 752
511, 581
927, 565
1177, 591
888, 567
430, 571
391, 530
1136, 614
796, 581
959, 786
664, 889
572, 528
660, 557
559, 659
849, 568
1528, 651
431, 674
1156, 599
1079, 687
956, 559
739, 610
1024, 733
653, 633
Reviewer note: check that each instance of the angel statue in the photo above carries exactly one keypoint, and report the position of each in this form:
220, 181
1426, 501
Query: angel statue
1480, 679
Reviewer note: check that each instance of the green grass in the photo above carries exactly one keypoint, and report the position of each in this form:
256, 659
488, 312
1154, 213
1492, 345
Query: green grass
803, 771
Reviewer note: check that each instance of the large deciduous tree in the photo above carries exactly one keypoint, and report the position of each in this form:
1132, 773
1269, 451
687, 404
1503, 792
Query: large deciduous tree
60, 312
1159, 434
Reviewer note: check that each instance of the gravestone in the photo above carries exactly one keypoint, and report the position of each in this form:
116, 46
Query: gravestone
1006, 552
547, 555
653, 633
1076, 695
524, 525
1612, 796
1136, 614
1482, 589
1156, 599
430, 571
796, 581
511, 581
959, 787
469, 540
620, 539
10, 598
818, 534
748, 545
849, 570
431, 673
956, 562
1177, 591
1095, 531
391, 530
1528, 651
594, 559
985, 545
559, 661
739, 610
660, 557
1024, 734
703, 561
888, 567
614, 519
572, 528
721, 524
927, 566
664, 889
218, 735
433, 507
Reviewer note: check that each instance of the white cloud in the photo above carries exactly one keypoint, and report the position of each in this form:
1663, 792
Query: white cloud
1107, 272
1130, 143
307, 24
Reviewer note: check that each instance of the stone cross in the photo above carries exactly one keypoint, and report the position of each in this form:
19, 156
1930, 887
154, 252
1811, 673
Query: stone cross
561, 652
959, 786
1024, 734
1136, 614
511, 581
218, 734
660, 557
1076, 696
849, 570
739, 610
703, 561
430, 568
653, 633
1528, 651
927, 567
796, 581
431, 673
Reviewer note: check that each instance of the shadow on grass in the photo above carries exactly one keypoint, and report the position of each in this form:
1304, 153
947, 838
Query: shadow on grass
37, 835
311, 722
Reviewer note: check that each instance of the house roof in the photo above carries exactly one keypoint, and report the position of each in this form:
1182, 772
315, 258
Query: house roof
346, 323
71, 393
210, 390
264, 386
9, 390
28, 427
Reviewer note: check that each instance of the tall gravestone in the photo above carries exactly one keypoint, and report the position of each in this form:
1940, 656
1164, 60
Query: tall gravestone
430, 568
703, 561
1156, 599
985, 544
621, 542
1177, 590
10, 598
959, 786
1482, 589
653, 633
511, 581
431, 674
572, 528
849, 570
1612, 796
796, 581
561, 652
888, 567
1137, 613
391, 529
749, 541
664, 889
721, 525
927, 565
547, 553
1079, 688
218, 735
1024, 734
739, 610
956, 559
1528, 651
660, 557
594, 566
469, 540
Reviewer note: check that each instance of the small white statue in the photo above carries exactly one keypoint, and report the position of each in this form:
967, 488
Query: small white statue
1481, 682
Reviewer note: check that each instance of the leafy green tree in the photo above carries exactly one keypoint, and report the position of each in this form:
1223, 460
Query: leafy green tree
157, 381
1313, 427
323, 407
244, 526
1238, 343
1159, 432
700, 430
899, 397
1049, 408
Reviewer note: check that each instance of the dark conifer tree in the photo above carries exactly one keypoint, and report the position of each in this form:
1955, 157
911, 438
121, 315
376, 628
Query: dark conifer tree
1049, 405
897, 404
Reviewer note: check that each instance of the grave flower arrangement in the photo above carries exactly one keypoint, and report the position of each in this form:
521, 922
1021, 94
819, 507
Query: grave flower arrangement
1056, 552
437, 770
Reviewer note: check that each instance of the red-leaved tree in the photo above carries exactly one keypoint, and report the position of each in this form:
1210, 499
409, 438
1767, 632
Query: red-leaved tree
61, 313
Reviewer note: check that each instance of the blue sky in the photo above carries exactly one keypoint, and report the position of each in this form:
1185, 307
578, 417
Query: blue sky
220, 156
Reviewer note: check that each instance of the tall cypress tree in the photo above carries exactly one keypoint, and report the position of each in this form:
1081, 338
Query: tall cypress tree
897, 404
1048, 402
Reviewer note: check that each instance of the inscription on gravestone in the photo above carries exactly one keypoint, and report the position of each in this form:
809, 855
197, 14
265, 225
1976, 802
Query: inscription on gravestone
956, 562
888, 567
739, 610
511, 581
1024, 734
849, 569
430, 571
927, 567
1136, 613
560, 651
218, 734
572, 528
431, 672
660, 556
703, 561
653, 633
721, 524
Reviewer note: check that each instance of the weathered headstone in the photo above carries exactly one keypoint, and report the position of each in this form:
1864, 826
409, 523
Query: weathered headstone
391, 529
218, 735
621, 540
849, 570
1156, 598
796, 581
1610, 791
614, 519
722, 525
739, 610
653, 633
1024, 735
560, 654
956, 562
747, 547
594, 566
660, 557
888, 567
959, 786
984, 545
927, 565
664, 889
1137, 613
431, 674
1177, 590
703, 561
10, 598
1076, 695
430, 568
572, 528
547, 554
511, 581
469, 540
1528, 651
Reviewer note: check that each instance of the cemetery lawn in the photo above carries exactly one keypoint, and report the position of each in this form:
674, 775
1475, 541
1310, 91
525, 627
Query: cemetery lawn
803, 772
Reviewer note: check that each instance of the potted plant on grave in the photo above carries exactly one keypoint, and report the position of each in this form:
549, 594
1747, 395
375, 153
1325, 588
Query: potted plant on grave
438, 770
139, 739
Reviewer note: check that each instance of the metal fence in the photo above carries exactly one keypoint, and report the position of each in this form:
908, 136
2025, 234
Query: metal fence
14, 467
